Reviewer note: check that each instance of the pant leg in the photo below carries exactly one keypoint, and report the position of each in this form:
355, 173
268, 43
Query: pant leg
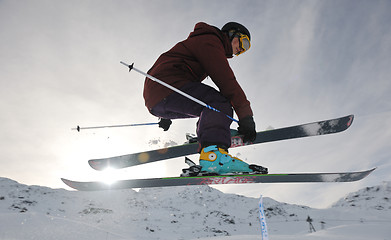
212, 127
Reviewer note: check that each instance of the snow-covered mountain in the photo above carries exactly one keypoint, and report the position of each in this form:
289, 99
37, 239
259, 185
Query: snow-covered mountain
370, 198
34, 212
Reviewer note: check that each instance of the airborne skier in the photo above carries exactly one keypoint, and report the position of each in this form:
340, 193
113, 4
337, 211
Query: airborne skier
204, 53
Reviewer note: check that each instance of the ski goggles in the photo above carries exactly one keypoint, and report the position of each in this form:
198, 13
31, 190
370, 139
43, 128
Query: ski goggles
244, 43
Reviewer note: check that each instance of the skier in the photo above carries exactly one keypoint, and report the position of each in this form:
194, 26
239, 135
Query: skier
204, 53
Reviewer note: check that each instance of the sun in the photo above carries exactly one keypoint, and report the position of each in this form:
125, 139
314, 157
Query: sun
109, 176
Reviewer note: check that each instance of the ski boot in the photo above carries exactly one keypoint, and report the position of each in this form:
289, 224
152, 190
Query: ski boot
216, 160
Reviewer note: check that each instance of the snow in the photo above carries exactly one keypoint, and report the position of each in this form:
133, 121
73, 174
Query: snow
35, 212
312, 129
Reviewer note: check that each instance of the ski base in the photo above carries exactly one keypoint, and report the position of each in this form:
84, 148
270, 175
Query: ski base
221, 179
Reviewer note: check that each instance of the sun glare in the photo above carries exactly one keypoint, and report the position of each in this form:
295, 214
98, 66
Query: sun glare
109, 176
100, 144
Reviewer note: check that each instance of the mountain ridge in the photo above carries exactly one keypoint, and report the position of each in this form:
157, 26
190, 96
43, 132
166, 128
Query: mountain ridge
199, 211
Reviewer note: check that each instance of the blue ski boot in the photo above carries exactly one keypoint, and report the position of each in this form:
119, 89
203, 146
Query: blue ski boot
215, 160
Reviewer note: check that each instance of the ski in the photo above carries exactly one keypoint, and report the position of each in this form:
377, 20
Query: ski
221, 179
304, 130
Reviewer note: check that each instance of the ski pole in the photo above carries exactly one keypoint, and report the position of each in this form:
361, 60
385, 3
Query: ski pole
78, 128
131, 67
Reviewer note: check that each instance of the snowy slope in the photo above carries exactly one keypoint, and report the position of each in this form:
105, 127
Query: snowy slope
33, 212
370, 198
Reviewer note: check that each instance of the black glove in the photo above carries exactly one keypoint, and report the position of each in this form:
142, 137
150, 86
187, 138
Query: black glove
165, 124
247, 129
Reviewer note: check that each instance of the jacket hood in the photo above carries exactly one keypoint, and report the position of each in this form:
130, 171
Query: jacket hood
202, 28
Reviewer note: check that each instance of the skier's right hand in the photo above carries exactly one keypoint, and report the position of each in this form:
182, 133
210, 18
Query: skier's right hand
165, 123
247, 129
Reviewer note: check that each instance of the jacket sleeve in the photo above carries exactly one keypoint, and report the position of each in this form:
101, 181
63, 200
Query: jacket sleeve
210, 53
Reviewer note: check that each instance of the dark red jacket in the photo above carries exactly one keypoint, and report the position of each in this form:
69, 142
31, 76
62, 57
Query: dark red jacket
204, 53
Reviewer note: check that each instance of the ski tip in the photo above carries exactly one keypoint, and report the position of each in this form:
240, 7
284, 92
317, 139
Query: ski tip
351, 117
95, 165
66, 181
367, 172
69, 183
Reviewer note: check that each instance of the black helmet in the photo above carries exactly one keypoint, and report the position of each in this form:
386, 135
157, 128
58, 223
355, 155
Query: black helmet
236, 27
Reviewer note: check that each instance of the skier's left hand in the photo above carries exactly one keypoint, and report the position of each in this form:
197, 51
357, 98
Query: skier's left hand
247, 129
165, 123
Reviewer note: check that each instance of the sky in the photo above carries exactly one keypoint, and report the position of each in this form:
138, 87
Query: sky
309, 61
